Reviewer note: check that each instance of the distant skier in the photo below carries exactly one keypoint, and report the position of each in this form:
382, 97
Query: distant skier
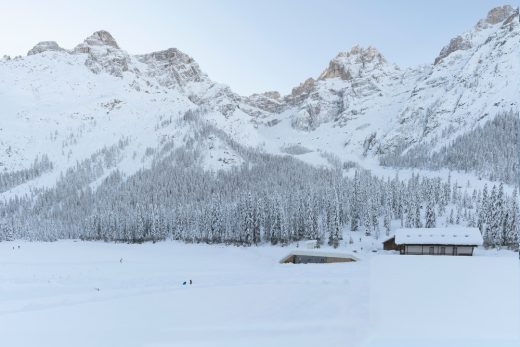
121, 260
184, 283
191, 282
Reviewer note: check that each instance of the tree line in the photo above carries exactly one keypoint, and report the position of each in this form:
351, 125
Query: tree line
269, 199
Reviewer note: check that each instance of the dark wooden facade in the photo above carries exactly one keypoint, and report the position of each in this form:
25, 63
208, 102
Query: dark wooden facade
390, 245
436, 249
428, 249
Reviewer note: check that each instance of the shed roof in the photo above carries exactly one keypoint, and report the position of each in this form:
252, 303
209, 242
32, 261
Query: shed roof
313, 253
439, 236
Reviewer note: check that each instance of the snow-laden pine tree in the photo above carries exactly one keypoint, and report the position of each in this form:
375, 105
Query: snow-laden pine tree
334, 233
494, 230
510, 237
431, 218
355, 204
417, 213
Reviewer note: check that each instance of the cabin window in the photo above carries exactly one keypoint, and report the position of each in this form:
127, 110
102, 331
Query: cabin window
431, 250
443, 250
454, 250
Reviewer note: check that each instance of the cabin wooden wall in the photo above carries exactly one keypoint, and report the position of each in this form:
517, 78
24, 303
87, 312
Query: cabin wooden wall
438, 250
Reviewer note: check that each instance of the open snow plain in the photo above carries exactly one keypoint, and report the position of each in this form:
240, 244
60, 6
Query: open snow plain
103, 294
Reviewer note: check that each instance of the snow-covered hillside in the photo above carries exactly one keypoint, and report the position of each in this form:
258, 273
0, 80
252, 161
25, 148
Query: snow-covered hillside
68, 104
102, 144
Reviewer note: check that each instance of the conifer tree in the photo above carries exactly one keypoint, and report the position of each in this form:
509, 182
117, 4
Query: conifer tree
431, 219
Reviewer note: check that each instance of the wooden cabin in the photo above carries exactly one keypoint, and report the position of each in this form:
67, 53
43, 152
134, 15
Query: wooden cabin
317, 257
435, 241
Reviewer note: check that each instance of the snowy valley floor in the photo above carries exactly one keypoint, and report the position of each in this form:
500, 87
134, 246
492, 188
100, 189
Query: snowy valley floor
80, 294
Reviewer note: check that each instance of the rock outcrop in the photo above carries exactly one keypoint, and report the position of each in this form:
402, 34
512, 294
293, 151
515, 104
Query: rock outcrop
497, 15
45, 46
456, 44
172, 67
346, 65
99, 38
104, 54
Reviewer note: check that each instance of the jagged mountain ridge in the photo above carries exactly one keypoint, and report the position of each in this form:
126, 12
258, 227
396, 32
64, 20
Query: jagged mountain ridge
379, 108
71, 103
68, 104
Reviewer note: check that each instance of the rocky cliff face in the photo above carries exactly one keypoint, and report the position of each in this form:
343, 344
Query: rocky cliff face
172, 67
354, 63
496, 15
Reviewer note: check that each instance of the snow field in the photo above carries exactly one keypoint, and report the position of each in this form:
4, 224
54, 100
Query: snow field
80, 293
445, 301
239, 296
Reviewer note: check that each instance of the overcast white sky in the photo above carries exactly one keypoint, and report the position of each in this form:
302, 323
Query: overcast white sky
253, 46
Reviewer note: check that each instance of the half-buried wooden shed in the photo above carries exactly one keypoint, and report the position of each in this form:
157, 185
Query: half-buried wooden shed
317, 257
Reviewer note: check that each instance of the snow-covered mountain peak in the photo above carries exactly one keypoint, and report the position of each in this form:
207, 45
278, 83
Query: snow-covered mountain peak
497, 15
172, 67
45, 46
477, 36
350, 64
104, 54
101, 38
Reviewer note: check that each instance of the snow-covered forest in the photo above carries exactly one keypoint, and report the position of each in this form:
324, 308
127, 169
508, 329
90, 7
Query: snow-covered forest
490, 150
12, 179
268, 199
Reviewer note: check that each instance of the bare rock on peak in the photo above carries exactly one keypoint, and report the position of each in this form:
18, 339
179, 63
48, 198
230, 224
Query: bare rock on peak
268, 101
45, 46
456, 44
363, 54
172, 67
346, 63
336, 69
272, 94
499, 14
100, 38
172, 54
104, 54
495, 16
304, 87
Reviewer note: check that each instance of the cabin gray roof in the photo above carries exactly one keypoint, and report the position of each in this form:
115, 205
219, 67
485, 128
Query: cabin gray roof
439, 236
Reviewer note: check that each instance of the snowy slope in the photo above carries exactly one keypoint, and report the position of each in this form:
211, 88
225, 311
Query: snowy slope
72, 104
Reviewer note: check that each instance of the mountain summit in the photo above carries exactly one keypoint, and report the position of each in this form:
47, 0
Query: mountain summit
353, 63
101, 38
